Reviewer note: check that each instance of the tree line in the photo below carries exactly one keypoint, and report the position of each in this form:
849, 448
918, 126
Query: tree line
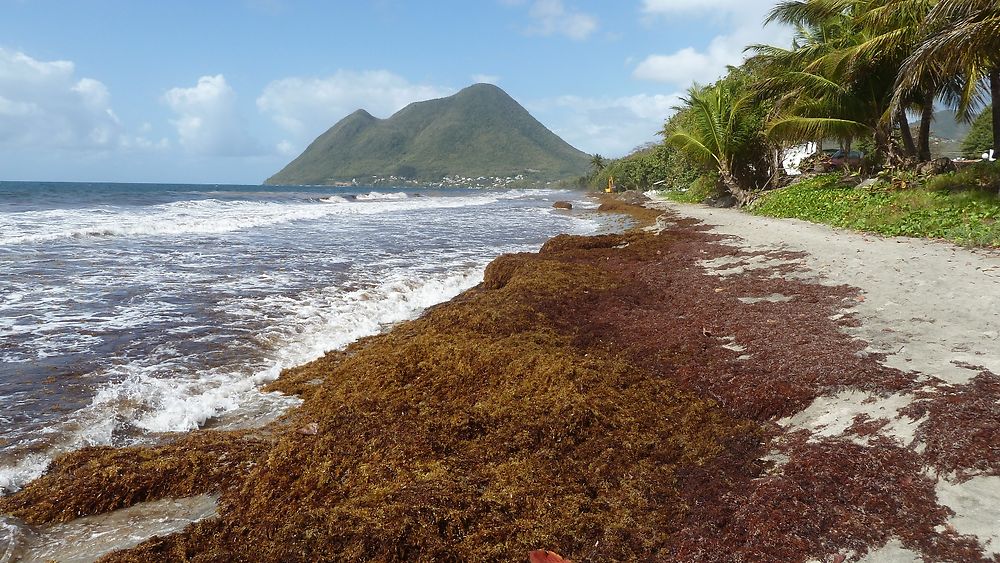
853, 73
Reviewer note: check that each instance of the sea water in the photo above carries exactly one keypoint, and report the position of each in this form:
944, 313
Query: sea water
132, 310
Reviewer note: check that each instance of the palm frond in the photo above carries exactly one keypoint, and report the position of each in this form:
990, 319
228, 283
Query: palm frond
795, 128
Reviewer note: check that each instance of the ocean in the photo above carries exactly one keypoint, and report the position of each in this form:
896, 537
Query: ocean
132, 310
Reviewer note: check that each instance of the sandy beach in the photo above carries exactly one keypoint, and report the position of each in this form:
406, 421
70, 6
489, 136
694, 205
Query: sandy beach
716, 387
927, 307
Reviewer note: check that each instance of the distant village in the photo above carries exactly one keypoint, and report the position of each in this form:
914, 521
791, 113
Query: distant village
451, 181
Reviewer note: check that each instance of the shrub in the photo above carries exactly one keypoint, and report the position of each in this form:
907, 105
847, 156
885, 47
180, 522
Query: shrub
981, 177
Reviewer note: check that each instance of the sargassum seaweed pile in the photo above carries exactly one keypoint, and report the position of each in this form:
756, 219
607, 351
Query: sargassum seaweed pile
587, 399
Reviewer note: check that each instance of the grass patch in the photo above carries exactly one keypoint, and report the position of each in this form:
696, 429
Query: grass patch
961, 207
980, 177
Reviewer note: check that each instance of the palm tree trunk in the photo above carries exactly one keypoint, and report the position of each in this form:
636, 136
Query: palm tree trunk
926, 116
995, 94
732, 186
905, 133
883, 144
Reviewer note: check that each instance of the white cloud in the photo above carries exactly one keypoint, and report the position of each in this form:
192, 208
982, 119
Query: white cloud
285, 148
207, 121
551, 17
305, 107
743, 22
44, 104
485, 78
609, 126
689, 65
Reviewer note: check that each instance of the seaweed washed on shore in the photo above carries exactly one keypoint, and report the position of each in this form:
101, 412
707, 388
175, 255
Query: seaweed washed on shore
606, 398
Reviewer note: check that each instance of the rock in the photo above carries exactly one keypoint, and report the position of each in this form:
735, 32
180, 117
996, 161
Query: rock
936, 166
721, 201
310, 429
633, 197
562, 205
868, 182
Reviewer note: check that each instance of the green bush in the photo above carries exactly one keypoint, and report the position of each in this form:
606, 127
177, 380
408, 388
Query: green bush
966, 216
980, 136
982, 177
705, 186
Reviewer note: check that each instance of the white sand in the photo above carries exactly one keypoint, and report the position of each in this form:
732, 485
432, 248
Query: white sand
928, 305
931, 307
830, 416
976, 503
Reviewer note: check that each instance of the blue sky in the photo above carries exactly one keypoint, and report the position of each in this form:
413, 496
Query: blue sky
230, 91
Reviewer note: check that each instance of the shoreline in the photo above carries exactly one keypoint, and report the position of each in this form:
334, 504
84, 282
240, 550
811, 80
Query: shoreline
608, 398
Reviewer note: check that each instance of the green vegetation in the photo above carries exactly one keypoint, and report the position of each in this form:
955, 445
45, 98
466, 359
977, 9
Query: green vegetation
703, 188
724, 132
962, 207
480, 131
982, 177
980, 137
854, 71
637, 171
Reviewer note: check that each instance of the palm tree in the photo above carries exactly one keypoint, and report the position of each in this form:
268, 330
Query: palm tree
962, 40
837, 80
894, 29
817, 93
597, 162
725, 133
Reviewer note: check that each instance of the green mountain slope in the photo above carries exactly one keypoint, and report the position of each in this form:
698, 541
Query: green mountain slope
945, 126
480, 131
947, 133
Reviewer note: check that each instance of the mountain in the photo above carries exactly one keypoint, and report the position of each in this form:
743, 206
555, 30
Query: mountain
480, 131
945, 126
947, 133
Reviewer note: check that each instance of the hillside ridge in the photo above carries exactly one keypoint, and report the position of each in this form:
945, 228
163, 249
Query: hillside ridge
479, 131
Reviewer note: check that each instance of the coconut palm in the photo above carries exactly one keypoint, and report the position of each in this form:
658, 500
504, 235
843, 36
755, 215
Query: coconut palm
840, 71
724, 131
962, 40
893, 29
597, 162
818, 91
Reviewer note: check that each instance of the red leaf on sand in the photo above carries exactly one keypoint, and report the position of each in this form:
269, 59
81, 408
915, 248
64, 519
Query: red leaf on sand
545, 556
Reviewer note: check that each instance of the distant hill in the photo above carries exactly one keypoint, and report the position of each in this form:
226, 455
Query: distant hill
947, 133
480, 131
945, 126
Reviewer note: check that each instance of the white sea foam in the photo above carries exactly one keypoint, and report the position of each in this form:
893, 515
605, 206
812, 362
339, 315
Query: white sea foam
153, 394
200, 217
26, 469
382, 196
531, 193
182, 331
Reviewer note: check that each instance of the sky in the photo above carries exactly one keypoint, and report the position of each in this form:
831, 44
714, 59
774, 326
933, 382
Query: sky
229, 91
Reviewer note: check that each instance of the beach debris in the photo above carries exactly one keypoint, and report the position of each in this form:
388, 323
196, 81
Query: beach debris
545, 556
310, 429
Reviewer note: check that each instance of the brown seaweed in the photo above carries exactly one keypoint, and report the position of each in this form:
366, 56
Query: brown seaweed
579, 400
